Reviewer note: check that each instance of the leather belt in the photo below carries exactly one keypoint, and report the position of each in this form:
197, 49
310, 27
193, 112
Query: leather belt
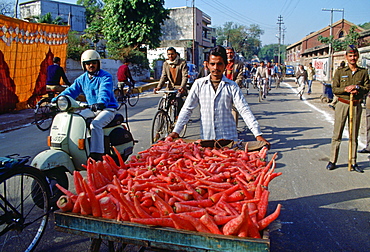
355, 102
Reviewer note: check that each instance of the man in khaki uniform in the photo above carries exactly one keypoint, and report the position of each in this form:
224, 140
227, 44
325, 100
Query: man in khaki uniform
350, 79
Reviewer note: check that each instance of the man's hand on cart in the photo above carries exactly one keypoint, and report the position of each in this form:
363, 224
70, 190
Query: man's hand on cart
262, 139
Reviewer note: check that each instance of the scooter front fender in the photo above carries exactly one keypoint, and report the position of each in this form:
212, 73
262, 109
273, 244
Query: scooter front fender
50, 159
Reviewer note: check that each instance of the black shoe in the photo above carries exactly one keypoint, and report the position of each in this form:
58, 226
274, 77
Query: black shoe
356, 168
363, 151
331, 166
331, 106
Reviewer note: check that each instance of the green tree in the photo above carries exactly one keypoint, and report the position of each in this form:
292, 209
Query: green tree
365, 25
341, 44
269, 52
244, 39
129, 24
47, 18
76, 46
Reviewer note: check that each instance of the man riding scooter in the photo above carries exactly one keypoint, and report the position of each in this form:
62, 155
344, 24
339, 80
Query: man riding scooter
97, 86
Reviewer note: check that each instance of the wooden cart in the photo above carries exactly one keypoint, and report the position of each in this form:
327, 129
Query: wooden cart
152, 236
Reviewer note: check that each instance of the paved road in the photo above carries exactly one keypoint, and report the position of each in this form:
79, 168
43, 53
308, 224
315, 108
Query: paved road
322, 210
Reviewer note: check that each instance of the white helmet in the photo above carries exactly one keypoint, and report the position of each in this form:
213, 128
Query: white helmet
89, 55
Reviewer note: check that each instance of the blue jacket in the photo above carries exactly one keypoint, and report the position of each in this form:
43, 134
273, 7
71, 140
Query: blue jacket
99, 89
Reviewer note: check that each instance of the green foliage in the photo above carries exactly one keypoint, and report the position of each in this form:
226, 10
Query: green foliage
93, 10
75, 46
341, 44
94, 19
131, 23
136, 56
365, 25
245, 40
269, 52
47, 19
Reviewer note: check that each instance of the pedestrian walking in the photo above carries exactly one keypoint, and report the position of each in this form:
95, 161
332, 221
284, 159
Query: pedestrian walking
301, 76
351, 79
310, 76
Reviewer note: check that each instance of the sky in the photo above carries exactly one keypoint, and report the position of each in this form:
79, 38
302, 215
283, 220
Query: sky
299, 17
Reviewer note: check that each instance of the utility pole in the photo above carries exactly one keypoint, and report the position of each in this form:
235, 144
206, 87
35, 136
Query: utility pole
280, 22
331, 39
194, 32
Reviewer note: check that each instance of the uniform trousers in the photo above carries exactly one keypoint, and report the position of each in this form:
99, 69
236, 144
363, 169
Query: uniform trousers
341, 116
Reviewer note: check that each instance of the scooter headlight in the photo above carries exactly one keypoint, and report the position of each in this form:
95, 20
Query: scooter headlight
63, 103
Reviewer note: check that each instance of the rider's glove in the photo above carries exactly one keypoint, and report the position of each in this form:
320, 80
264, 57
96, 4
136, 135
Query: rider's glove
97, 106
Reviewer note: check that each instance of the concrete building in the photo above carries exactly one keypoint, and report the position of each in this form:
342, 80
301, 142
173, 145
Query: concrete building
185, 26
71, 14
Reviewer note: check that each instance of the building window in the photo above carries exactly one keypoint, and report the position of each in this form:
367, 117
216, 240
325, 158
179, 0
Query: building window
341, 34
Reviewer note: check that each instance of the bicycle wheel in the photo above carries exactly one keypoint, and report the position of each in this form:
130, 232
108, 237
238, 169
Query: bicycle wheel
133, 97
160, 126
23, 190
44, 114
162, 104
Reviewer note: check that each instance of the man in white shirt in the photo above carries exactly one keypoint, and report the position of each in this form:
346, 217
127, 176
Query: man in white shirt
216, 95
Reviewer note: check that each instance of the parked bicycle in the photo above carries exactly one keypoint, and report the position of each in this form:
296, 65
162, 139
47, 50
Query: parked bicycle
129, 95
165, 119
24, 204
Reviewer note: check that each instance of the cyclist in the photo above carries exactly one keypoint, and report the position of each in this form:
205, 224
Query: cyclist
54, 73
124, 75
97, 85
175, 73
263, 75
253, 72
217, 121
270, 70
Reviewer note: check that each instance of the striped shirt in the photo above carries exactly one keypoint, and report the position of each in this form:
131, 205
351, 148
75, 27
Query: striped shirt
217, 121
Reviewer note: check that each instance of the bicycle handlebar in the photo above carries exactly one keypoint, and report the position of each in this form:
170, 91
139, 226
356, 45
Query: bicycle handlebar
167, 91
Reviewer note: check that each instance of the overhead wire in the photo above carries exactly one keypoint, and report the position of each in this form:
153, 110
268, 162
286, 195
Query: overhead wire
233, 15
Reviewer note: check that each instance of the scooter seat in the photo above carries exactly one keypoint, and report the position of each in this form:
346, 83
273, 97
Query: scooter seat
117, 120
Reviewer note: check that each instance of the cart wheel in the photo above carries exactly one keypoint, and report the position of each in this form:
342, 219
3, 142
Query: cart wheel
325, 100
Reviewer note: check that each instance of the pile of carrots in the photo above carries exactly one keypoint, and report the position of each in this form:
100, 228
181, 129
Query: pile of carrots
179, 185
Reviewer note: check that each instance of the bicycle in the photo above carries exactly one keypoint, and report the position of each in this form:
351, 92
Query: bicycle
165, 119
45, 112
262, 88
24, 204
130, 96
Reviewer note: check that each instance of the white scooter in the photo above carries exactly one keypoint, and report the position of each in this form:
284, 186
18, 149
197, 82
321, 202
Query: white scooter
69, 143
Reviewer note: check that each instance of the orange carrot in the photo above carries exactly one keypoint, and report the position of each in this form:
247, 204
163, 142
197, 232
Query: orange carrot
108, 208
180, 223
266, 221
85, 204
77, 177
66, 192
95, 207
65, 203
209, 222
232, 227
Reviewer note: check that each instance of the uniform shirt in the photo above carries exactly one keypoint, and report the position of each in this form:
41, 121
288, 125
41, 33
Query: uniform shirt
98, 89
343, 77
217, 121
